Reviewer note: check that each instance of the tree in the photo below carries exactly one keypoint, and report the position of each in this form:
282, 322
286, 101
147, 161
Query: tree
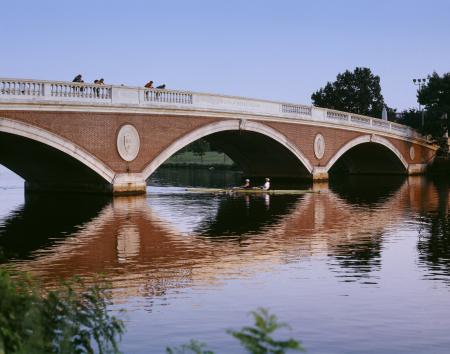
200, 147
356, 92
411, 118
435, 96
72, 318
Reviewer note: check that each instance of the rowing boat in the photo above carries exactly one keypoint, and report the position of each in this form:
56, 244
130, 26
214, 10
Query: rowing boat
247, 191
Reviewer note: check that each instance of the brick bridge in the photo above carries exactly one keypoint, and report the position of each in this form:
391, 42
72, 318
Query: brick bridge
63, 136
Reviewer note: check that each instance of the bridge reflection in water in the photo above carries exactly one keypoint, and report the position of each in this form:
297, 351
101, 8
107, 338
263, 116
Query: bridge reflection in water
146, 245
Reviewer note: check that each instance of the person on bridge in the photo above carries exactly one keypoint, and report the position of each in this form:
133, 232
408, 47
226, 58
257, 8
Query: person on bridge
78, 78
149, 84
98, 82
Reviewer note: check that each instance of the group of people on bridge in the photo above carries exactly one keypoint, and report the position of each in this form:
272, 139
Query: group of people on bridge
79, 79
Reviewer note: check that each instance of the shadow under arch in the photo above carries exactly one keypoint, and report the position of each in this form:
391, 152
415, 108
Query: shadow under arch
237, 140
44, 159
368, 154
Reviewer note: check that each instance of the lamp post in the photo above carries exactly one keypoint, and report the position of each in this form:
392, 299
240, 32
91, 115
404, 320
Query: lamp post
421, 83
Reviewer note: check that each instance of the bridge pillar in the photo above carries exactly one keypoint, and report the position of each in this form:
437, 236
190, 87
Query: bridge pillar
129, 184
319, 173
417, 168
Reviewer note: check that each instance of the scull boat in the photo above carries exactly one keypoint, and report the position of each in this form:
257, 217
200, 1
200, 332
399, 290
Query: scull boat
248, 191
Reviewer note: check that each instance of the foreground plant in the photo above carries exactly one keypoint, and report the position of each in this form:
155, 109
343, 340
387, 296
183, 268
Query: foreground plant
256, 339
71, 319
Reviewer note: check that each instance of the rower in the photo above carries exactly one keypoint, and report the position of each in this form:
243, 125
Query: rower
266, 185
246, 184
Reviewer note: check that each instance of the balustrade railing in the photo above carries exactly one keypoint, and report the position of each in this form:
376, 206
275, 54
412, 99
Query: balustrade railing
360, 119
337, 115
19, 90
296, 109
80, 90
381, 123
167, 96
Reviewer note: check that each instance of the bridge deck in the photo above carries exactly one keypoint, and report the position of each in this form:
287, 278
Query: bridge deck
57, 92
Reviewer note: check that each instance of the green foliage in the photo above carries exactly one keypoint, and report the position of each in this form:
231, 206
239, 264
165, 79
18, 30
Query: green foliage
71, 319
356, 92
192, 347
257, 339
411, 118
435, 96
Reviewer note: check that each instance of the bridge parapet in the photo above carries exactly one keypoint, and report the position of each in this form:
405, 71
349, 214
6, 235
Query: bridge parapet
59, 92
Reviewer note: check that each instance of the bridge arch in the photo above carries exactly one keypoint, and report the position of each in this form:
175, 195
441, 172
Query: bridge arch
225, 126
367, 139
35, 134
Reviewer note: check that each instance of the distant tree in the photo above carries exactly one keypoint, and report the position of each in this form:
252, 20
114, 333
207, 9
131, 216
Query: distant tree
200, 147
356, 92
435, 96
411, 117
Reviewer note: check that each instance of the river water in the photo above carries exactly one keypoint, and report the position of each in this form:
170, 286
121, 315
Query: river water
361, 267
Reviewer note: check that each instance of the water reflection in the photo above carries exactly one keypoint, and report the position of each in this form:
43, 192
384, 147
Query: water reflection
243, 215
169, 238
366, 190
43, 220
343, 259
434, 240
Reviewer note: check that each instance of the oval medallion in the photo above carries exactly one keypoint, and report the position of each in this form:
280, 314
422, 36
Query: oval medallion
319, 146
412, 152
128, 142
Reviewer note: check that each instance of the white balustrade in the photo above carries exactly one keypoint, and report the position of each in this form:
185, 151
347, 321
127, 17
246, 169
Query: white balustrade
295, 108
399, 128
21, 88
80, 90
384, 124
167, 96
18, 90
337, 115
360, 119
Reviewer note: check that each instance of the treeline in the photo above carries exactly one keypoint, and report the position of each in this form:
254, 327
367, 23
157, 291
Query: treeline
359, 92
200, 147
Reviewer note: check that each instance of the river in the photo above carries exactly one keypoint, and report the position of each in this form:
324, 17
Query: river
363, 266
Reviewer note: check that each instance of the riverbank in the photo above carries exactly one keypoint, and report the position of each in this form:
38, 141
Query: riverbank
207, 160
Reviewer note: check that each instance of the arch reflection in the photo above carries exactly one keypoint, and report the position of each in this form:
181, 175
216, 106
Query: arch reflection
146, 245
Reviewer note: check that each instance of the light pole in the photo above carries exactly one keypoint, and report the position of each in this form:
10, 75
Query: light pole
421, 83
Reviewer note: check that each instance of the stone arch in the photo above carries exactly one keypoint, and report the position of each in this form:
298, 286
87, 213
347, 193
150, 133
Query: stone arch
227, 125
366, 139
57, 142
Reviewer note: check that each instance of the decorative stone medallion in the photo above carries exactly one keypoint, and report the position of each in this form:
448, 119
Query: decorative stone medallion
128, 142
412, 152
319, 146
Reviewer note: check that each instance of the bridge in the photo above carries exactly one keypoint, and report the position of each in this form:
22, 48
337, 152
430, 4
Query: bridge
65, 136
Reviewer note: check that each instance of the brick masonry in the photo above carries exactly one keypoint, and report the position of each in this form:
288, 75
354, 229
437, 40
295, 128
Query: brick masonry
96, 133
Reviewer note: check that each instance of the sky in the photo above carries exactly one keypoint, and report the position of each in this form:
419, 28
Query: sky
277, 50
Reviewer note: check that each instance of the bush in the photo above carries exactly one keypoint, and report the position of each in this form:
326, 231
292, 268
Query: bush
255, 339
70, 319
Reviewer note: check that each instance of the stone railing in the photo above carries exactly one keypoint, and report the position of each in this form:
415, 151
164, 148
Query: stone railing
80, 90
53, 92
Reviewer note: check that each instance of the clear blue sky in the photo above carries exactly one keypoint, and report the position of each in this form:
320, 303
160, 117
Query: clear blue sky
281, 50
